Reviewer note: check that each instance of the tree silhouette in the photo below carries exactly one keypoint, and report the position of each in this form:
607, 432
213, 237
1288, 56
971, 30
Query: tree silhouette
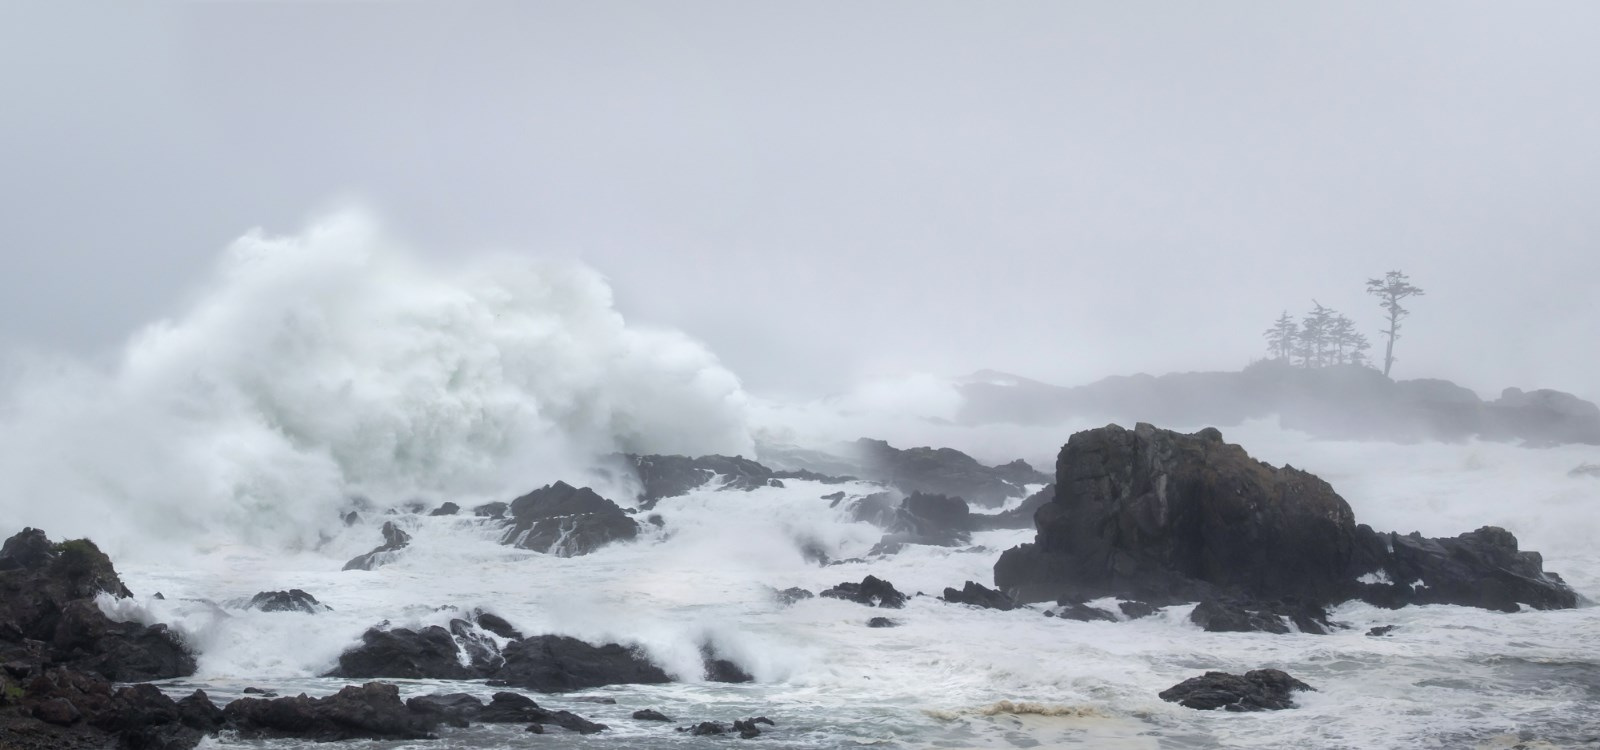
1281, 337
1391, 290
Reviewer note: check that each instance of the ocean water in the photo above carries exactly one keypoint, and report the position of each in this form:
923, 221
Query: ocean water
214, 457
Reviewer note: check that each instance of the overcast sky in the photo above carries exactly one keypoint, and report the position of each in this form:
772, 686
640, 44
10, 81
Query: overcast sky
826, 191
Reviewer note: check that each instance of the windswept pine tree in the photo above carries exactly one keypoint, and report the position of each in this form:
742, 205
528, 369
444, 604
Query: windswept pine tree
1391, 290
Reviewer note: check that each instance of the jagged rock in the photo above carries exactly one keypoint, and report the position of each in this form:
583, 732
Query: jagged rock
481, 650
293, 600
447, 509
48, 616
882, 622
1480, 568
65, 708
979, 595
402, 653
394, 540
650, 714
943, 471
563, 520
552, 663
871, 591
671, 476
1381, 630
1257, 690
1166, 518
258, 691
792, 595
370, 711
1227, 615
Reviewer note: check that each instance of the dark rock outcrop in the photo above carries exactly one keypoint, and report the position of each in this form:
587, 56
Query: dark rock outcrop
370, 711
49, 618
1480, 568
1020, 517
66, 708
394, 540
496, 624
871, 591
979, 595
293, 600
1257, 690
650, 714
553, 663
1080, 611
943, 471
446, 509
1163, 517
671, 476
882, 622
563, 520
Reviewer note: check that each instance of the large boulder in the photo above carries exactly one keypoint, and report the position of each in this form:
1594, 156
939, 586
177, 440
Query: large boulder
563, 520
68, 708
978, 595
1164, 517
1153, 514
394, 540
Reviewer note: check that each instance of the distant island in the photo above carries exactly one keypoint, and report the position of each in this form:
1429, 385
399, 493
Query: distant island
1343, 401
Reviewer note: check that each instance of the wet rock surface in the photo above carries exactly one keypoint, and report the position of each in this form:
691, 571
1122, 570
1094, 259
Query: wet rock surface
563, 520
871, 591
1164, 518
1256, 690
943, 471
394, 540
978, 595
293, 600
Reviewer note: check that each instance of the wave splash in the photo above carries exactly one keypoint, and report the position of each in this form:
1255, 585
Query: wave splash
334, 363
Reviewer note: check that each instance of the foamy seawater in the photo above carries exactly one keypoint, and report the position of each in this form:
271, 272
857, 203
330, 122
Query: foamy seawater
948, 676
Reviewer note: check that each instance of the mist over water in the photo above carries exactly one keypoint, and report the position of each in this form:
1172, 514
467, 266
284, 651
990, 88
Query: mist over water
214, 455
333, 363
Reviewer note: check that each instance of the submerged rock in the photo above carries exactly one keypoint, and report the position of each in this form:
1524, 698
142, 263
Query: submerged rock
394, 540
293, 600
1257, 690
563, 520
882, 622
650, 714
871, 591
719, 669
1231, 615
792, 595
447, 509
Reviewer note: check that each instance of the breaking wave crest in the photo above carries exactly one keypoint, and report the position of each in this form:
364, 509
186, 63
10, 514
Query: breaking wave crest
333, 363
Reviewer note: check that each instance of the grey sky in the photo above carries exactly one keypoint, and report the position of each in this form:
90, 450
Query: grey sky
823, 191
